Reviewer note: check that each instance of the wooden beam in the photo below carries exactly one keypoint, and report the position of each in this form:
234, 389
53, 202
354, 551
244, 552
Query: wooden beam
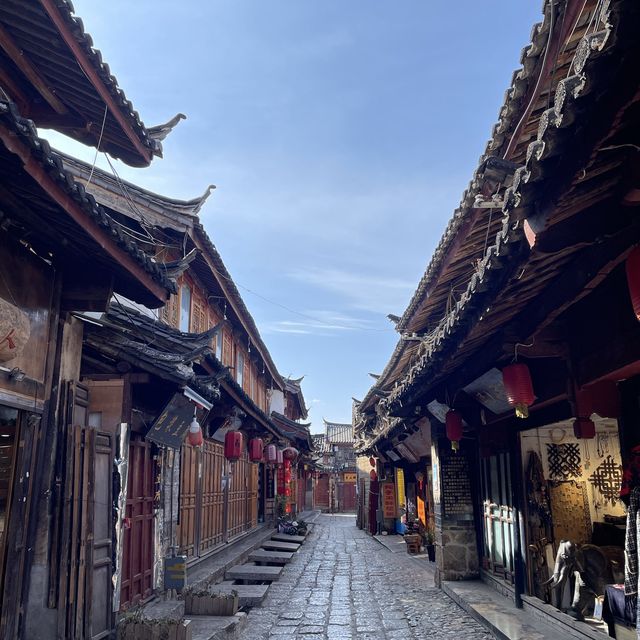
23, 63
101, 236
92, 74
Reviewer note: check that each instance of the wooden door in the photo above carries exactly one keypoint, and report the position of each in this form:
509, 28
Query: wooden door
188, 528
212, 501
137, 562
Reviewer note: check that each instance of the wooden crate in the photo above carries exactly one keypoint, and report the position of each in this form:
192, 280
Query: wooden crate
414, 542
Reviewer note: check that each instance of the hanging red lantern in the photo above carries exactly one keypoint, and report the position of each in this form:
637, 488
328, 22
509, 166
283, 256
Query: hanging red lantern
453, 424
290, 453
287, 476
194, 435
372, 461
584, 428
255, 449
632, 266
605, 400
287, 492
373, 475
233, 445
279, 458
270, 454
517, 384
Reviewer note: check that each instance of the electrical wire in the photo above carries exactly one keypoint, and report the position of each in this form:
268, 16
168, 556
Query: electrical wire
95, 157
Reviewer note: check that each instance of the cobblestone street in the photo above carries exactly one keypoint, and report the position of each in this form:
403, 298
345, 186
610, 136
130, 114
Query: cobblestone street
343, 584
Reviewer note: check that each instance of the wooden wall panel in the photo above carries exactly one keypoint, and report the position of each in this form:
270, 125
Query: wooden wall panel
186, 529
211, 524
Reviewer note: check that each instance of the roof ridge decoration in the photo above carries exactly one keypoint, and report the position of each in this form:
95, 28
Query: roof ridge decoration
506, 119
190, 207
569, 89
160, 131
50, 161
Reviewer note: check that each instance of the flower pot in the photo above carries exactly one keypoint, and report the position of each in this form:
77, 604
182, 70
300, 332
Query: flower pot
431, 552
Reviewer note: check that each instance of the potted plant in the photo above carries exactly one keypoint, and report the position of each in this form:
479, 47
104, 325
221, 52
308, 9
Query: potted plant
429, 545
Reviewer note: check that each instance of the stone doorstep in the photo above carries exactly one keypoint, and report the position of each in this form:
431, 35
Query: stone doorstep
253, 572
276, 545
208, 571
506, 622
285, 537
249, 595
260, 556
217, 627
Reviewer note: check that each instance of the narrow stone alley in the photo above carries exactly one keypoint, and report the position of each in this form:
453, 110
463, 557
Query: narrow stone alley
343, 584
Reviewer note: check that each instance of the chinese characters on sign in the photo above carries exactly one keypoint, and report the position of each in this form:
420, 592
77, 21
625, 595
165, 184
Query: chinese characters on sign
171, 426
456, 488
388, 500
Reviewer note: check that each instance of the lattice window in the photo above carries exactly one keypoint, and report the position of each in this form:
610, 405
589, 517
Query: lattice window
169, 313
198, 316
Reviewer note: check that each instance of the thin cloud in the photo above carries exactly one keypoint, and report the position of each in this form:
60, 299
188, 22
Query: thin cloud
360, 291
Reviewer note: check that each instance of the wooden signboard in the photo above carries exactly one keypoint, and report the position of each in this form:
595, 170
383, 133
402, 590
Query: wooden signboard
422, 513
175, 572
171, 426
349, 477
388, 500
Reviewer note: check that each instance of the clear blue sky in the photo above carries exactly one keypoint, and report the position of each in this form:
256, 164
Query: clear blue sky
340, 134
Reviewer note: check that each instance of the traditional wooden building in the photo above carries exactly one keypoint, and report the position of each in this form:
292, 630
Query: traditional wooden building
61, 253
537, 268
335, 488
287, 409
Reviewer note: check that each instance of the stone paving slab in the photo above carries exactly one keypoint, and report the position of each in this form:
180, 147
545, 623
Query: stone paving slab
270, 557
285, 537
276, 545
216, 627
342, 585
253, 572
249, 595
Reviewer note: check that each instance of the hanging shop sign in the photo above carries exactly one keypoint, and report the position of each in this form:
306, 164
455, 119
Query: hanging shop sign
349, 477
422, 512
388, 500
173, 423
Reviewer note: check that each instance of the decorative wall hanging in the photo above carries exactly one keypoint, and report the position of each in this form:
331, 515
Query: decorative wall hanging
15, 329
564, 461
607, 479
570, 508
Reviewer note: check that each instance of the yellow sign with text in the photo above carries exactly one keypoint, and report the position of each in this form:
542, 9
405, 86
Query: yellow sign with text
402, 499
349, 477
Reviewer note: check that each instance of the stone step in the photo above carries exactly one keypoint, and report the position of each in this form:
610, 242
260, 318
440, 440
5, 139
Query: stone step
285, 537
249, 595
277, 545
216, 627
252, 572
261, 556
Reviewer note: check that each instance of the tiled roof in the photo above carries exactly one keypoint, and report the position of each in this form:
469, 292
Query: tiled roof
80, 84
338, 433
22, 132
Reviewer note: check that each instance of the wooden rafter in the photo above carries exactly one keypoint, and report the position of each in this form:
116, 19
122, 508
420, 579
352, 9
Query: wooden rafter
25, 65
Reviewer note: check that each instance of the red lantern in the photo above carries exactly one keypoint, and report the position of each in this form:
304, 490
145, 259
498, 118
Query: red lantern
287, 492
605, 400
270, 453
255, 449
287, 476
194, 435
290, 453
233, 445
517, 384
584, 428
633, 279
372, 461
279, 457
373, 475
287, 464
453, 424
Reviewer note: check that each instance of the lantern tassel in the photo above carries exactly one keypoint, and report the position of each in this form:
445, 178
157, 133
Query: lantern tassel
522, 411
